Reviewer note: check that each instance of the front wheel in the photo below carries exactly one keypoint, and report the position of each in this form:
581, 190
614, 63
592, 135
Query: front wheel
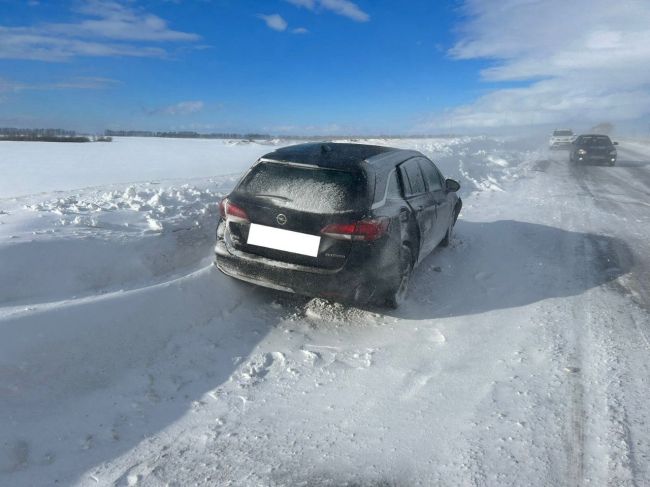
397, 294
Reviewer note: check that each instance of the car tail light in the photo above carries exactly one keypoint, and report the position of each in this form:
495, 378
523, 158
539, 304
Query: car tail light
365, 230
231, 212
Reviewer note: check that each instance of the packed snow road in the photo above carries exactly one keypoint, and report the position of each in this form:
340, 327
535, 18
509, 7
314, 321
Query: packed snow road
520, 358
624, 193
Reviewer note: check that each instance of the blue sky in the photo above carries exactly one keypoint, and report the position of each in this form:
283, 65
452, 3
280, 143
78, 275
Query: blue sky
312, 66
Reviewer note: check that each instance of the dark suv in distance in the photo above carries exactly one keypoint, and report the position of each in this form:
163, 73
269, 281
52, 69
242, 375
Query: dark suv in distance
342, 221
593, 149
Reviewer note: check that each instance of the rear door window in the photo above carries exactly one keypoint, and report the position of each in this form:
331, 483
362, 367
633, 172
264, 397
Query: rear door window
313, 190
431, 174
411, 170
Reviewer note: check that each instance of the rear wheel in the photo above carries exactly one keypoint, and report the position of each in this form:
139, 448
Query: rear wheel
448, 236
447, 240
397, 294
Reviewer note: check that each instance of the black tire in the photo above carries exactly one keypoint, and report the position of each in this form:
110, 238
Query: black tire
450, 230
397, 294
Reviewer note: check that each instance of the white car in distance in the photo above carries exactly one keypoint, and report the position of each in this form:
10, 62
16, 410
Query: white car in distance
561, 139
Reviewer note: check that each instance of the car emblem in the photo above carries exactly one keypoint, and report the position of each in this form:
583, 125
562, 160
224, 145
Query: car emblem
281, 219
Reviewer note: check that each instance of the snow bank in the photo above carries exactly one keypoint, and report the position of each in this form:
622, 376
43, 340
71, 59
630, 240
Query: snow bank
105, 239
35, 167
640, 146
478, 163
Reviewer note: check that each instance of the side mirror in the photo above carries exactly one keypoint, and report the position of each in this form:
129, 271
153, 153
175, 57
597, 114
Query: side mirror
615, 143
452, 185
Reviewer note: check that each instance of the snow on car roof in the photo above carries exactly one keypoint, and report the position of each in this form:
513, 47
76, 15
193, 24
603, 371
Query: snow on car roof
328, 154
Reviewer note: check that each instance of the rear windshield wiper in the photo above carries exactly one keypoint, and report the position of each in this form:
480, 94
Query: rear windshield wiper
274, 196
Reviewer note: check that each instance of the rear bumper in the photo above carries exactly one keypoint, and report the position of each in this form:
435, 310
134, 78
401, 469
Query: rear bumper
348, 283
605, 161
559, 145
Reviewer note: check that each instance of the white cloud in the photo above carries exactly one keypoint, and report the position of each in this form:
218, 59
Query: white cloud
345, 8
7, 86
274, 21
78, 83
584, 60
309, 4
181, 108
114, 20
105, 27
82, 83
300, 30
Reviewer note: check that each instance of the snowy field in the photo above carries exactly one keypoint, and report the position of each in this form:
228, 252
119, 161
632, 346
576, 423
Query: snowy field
521, 357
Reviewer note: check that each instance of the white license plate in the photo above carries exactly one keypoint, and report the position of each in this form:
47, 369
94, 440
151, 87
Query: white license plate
278, 239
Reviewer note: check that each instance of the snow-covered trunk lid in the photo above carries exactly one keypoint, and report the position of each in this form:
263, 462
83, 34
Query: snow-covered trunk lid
331, 252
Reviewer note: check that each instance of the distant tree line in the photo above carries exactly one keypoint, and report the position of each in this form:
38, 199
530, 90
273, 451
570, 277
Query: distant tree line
47, 135
37, 132
41, 135
44, 138
184, 135
61, 135
254, 136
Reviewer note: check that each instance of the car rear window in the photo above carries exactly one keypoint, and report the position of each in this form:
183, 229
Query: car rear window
313, 190
561, 133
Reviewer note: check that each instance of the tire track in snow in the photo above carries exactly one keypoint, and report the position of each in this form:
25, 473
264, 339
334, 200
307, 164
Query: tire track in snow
577, 414
605, 370
574, 250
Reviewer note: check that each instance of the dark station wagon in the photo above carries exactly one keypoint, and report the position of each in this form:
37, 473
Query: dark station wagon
593, 149
342, 221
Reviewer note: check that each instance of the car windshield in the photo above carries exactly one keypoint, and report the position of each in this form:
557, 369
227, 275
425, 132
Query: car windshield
562, 133
595, 140
306, 189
